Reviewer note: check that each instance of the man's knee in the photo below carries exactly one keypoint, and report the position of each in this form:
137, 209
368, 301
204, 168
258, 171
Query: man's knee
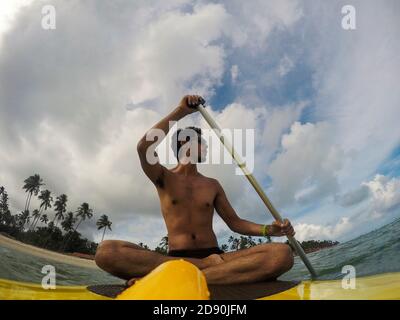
281, 255
105, 254
285, 257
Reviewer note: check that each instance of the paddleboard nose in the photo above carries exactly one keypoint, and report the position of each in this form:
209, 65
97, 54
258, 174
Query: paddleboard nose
172, 280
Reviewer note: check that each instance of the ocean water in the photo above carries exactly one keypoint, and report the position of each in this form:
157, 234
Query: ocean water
372, 253
18, 266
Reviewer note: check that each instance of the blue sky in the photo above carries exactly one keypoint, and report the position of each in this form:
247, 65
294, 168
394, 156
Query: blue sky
323, 102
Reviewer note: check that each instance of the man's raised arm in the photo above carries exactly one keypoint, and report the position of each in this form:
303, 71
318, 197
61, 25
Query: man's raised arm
149, 161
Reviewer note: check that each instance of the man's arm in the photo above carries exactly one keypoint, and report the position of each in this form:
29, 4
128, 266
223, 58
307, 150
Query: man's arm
238, 225
152, 167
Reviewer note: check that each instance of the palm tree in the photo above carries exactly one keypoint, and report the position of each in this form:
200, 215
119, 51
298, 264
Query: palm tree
68, 226
60, 207
103, 223
235, 242
68, 223
224, 247
4, 209
164, 242
25, 218
44, 219
144, 246
47, 199
32, 186
35, 216
162, 246
84, 212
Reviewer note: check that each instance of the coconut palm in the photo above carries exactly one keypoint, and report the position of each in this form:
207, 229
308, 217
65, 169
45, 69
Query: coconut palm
47, 199
103, 223
235, 242
68, 223
224, 247
84, 212
32, 186
5, 214
164, 242
68, 226
44, 219
144, 246
60, 207
25, 218
35, 216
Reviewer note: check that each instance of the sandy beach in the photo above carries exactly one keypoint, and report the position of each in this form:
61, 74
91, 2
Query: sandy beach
46, 254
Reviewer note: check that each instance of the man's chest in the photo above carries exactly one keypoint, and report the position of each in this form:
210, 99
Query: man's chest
197, 193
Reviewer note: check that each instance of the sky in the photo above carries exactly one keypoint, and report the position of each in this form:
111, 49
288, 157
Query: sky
323, 102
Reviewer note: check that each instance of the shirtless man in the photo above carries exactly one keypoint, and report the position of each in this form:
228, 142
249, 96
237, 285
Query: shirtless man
188, 200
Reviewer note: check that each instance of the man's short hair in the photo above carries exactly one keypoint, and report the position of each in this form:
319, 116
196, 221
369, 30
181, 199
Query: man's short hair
181, 136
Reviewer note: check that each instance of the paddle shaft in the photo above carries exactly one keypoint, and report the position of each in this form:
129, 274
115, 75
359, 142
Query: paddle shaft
299, 250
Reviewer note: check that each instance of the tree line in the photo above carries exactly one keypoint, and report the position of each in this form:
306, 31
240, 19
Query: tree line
56, 229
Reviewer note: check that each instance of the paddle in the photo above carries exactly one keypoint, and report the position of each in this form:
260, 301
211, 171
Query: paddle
299, 250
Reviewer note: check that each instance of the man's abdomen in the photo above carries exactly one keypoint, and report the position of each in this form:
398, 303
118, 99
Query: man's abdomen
196, 239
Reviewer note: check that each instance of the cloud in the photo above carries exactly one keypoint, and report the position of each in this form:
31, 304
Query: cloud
234, 73
306, 231
306, 168
355, 81
74, 101
64, 109
375, 202
8, 12
353, 197
255, 22
385, 194
380, 195
285, 65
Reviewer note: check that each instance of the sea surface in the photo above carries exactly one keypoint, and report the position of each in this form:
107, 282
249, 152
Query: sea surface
373, 253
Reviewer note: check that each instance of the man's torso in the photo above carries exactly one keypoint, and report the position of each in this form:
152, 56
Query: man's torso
187, 205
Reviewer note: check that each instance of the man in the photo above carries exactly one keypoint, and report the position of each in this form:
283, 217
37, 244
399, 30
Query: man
188, 200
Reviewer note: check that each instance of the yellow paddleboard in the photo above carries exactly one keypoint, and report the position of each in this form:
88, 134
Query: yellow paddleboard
178, 279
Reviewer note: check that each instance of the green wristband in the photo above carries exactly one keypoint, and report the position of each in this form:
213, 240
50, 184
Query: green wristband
264, 230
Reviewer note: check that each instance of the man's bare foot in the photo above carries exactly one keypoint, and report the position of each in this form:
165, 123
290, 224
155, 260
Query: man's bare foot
131, 282
212, 260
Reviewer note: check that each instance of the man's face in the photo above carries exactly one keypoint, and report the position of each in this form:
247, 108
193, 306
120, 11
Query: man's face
195, 151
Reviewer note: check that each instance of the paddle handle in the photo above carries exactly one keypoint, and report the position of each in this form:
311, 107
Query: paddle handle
242, 165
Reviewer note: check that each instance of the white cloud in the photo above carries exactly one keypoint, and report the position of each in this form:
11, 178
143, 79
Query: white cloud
375, 203
72, 126
8, 12
306, 168
64, 95
63, 110
306, 231
234, 73
385, 194
356, 81
285, 66
256, 20
353, 197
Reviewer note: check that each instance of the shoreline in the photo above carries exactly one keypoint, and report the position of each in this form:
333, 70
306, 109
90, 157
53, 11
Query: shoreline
46, 254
